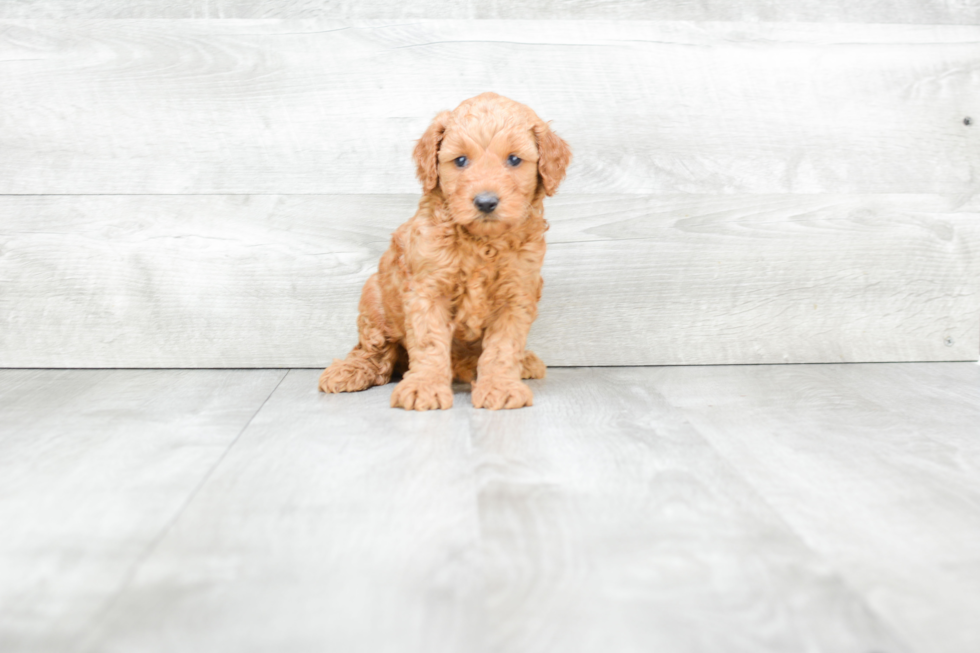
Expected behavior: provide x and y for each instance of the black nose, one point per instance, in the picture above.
(486, 202)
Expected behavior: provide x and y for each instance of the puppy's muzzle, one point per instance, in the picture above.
(486, 202)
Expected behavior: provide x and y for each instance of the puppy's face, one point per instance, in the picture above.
(489, 176)
(490, 157)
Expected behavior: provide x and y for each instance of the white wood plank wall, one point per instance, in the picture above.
(965, 12)
(180, 193)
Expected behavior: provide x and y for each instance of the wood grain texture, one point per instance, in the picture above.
(273, 281)
(876, 467)
(321, 106)
(609, 523)
(780, 508)
(337, 523)
(907, 11)
(330, 526)
(94, 466)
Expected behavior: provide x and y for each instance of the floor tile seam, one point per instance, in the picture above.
(86, 638)
(483, 568)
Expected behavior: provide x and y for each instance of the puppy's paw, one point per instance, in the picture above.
(422, 393)
(349, 376)
(533, 367)
(501, 393)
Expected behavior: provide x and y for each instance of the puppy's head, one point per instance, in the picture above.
(491, 158)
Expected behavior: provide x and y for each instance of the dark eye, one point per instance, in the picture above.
(461, 161)
(513, 160)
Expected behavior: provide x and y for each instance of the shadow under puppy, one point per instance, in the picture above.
(457, 290)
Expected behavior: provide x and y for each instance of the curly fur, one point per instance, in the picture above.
(457, 290)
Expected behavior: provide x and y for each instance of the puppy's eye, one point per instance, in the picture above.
(461, 161)
(513, 160)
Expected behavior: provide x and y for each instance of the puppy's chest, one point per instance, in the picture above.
(475, 295)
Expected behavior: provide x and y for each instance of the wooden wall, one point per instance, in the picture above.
(928, 12)
(213, 192)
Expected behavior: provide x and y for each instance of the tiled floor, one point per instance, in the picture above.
(744, 508)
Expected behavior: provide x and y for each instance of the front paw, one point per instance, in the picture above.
(422, 393)
(501, 393)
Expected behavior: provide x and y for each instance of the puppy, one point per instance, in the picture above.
(457, 290)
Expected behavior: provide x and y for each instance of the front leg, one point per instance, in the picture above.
(428, 338)
(498, 374)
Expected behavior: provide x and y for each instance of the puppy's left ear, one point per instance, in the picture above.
(427, 152)
(554, 155)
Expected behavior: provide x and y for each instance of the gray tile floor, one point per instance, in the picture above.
(744, 508)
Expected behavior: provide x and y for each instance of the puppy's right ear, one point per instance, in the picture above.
(427, 152)
(555, 155)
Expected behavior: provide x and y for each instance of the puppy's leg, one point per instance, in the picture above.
(502, 364)
(428, 339)
(465, 360)
(371, 362)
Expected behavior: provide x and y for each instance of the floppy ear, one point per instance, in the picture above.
(554, 155)
(427, 152)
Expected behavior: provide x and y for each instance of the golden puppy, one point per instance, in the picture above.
(457, 290)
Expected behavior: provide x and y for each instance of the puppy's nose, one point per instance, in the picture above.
(486, 202)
